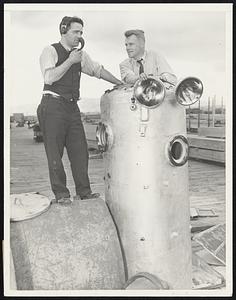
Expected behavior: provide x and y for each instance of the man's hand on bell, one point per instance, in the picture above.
(143, 76)
(75, 56)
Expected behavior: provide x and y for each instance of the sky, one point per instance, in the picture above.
(194, 39)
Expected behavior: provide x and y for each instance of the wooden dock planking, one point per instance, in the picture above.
(212, 131)
(206, 148)
(29, 173)
(207, 154)
(206, 143)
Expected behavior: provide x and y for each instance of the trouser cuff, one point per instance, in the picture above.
(59, 196)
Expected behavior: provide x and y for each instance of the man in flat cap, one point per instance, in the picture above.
(143, 63)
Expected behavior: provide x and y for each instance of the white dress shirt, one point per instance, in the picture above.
(154, 64)
(49, 58)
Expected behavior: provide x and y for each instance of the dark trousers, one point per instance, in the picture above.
(61, 126)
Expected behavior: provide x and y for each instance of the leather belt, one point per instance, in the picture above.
(60, 97)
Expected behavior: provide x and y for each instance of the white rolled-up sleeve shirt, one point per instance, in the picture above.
(154, 65)
(49, 58)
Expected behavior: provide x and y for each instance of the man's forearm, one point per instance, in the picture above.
(131, 78)
(56, 73)
(106, 75)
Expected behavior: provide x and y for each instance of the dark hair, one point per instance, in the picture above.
(66, 22)
(139, 33)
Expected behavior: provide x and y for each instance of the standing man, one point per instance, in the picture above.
(142, 63)
(59, 114)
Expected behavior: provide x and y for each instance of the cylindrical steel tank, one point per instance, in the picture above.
(146, 183)
(68, 248)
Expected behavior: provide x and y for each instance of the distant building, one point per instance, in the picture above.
(93, 118)
(19, 117)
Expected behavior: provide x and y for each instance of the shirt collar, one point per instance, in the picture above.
(143, 57)
(68, 49)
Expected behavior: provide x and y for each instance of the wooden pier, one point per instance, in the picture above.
(29, 173)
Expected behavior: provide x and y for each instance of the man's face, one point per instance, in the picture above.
(73, 34)
(134, 46)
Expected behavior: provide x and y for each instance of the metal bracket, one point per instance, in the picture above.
(144, 114)
(142, 129)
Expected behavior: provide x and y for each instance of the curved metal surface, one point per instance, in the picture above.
(178, 150)
(104, 136)
(144, 280)
(71, 247)
(27, 205)
(149, 92)
(147, 196)
(188, 91)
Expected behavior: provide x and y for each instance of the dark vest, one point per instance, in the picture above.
(68, 85)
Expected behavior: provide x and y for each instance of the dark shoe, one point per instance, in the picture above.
(65, 200)
(90, 196)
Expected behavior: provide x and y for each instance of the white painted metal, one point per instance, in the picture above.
(27, 205)
(146, 194)
(73, 247)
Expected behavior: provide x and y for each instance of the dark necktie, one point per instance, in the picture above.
(141, 69)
